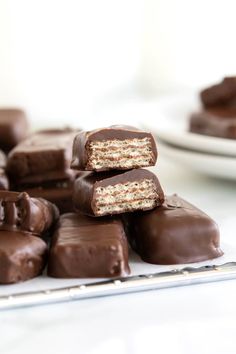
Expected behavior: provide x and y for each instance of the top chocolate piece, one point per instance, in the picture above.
(113, 148)
(13, 128)
(220, 95)
(43, 156)
(19, 212)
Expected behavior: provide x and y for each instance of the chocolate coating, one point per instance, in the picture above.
(82, 150)
(84, 247)
(86, 185)
(21, 257)
(222, 94)
(174, 233)
(13, 128)
(19, 212)
(214, 122)
(41, 166)
(43, 156)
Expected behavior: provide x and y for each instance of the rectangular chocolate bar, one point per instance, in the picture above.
(43, 156)
(174, 233)
(19, 212)
(222, 94)
(113, 148)
(40, 165)
(214, 122)
(13, 127)
(84, 247)
(21, 257)
(105, 193)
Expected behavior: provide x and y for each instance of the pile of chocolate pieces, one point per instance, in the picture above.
(80, 197)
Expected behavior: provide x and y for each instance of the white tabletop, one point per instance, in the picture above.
(196, 319)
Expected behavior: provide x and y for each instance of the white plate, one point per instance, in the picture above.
(171, 125)
(213, 165)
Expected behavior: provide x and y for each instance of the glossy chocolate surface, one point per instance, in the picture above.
(84, 247)
(84, 187)
(174, 233)
(214, 122)
(43, 156)
(13, 128)
(19, 212)
(22, 257)
(119, 132)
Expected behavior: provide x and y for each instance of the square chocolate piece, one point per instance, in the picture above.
(84, 247)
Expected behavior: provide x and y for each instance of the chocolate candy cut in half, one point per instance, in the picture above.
(109, 193)
(113, 148)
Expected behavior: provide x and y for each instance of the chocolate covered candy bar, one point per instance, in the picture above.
(19, 212)
(214, 122)
(116, 147)
(40, 165)
(84, 247)
(176, 232)
(105, 193)
(222, 94)
(43, 156)
(21, 257)
(13, 128)
(4, 183)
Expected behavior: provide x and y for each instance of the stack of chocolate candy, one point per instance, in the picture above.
(111, 181)
(114, 197)
(218, 117)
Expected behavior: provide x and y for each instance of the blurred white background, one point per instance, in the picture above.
(75, 61)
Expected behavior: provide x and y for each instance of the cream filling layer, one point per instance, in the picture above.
(126, 196)
(125, 153)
